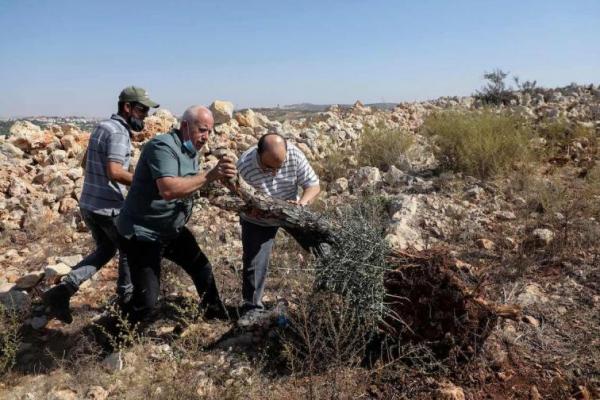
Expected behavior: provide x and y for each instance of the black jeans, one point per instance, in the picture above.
(144, 261)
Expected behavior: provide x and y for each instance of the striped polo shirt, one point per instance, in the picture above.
(295, 173)
(109, 142)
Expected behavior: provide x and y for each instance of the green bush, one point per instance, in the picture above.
(383, 147)
(10, 338)
(481, 144)
(496, 91)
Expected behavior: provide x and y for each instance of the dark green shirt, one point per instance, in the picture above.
(146, 215)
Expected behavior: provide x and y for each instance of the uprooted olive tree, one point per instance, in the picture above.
(414, 297)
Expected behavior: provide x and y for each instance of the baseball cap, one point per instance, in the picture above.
(138, 95)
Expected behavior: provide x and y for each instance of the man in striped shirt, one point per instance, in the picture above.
(106, 175)
(276, 168)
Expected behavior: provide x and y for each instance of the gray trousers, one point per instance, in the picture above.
(105, 235)
(257, 243)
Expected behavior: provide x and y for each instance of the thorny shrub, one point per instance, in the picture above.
(332, 325)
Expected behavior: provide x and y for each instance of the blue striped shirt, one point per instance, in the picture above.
(109, 142)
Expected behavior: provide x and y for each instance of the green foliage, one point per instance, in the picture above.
(355, 266)
(495, 91)
(529, 87)
(10, 338)
(481, 144)
(333, 324)
(383, 147)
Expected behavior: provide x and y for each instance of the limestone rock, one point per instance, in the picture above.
(10, 150)
(485, 244)
(534, 393)
(27, 136)
(542, 236)
(60, 186)
(97, 393)
(339, 186)
(75, 173)
(17, 188)
(449, 391)
(70, 261)
(366, 178)
(394, 176)
(67, 205)
(62, 394)
(58, 156)
(160, 122)
(247, 118)
(222, 111)
(24, 129)
(402, 232)
(56, 270)
(69, 143)
(505, 215)
(532, 294)
(16, 301)
(30, 280)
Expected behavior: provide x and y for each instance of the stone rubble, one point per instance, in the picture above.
(41, 176)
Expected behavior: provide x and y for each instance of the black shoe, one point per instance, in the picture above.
(56, 300)
(216, 311)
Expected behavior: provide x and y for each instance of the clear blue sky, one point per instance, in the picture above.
(60, 57)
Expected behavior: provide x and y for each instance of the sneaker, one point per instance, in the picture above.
(253, 317)
(56, 300)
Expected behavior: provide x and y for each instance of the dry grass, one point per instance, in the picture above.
(481, 144)
(335, 164)
(383, 147)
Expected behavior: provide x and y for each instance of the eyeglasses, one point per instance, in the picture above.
(143, 109)
(268, 168)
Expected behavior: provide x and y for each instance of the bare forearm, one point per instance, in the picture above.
(309, 194)
(178, 187)
(117, 173)
(124, 177)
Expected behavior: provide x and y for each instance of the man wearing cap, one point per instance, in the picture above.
(159, 204)
(106, 175)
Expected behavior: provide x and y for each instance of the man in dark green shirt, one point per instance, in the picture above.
(152, 222)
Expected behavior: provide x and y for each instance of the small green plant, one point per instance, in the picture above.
(481, 144)
(495, 91)
(10, 338)
(383, 147)
(529, 87)
(122, 333)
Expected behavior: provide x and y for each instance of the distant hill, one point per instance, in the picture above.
(309, 107)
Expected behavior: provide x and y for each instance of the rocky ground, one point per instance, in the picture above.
(546, 261)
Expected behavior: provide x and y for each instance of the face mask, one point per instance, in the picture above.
(188, 143)
(136, 124)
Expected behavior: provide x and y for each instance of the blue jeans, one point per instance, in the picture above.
(105, 235)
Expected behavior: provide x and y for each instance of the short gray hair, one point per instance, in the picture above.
(190, 115)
